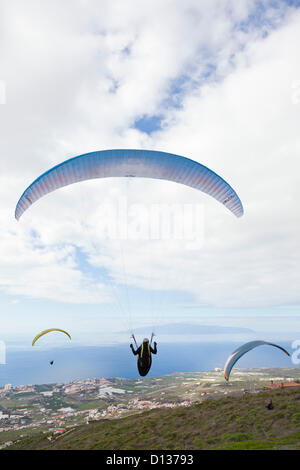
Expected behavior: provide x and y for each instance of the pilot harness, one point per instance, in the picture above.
(142, 350)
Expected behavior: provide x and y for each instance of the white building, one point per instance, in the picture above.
(47, 394)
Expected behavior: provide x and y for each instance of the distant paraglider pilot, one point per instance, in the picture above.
(51, 363)
(144, 356)
(270, 405)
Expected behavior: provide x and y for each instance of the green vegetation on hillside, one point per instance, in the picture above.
(231, 422)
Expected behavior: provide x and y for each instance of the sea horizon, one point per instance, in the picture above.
(79, 363)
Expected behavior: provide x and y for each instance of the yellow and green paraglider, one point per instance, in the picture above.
(48, 331)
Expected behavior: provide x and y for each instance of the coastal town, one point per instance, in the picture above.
(57, 408)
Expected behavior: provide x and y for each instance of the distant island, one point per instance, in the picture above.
(193, 329)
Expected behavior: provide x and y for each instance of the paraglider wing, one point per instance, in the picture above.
(235, 356)
(132, 163)
(48, 331)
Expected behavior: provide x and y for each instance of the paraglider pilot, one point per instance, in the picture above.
(144, 356)
(270, 405)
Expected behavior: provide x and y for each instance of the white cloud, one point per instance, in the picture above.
(79, 74)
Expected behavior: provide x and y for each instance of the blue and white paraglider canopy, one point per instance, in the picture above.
(131, 163)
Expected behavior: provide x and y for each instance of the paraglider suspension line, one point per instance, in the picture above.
(152, 336)
(133, 337)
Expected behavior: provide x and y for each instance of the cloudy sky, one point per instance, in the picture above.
(217, 81)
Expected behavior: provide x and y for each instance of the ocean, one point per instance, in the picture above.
(32, 366)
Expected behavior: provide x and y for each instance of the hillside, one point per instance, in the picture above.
(232, 422)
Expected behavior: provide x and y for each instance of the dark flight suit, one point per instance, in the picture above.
(144, 357)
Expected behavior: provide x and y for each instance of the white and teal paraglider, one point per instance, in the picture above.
(126, 163)
(131, 163)
(239, 352)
